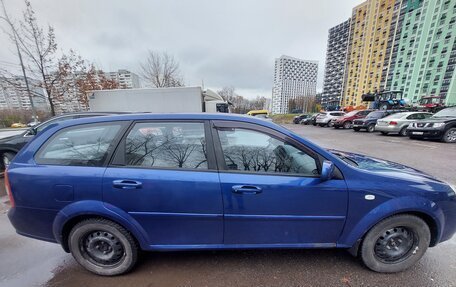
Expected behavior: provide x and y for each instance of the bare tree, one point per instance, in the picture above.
(240, 104)
(161, 70)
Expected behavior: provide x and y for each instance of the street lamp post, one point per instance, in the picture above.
(21, 61)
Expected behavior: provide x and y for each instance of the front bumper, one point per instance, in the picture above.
(359, 125)
(425, 133)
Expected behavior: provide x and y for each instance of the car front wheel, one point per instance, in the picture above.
(7, 157)
(103, 247)
(347, 125)
(395, 243)
(450, 136)
(370, 128)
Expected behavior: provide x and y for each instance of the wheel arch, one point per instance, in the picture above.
(74, 213)
(420, 207)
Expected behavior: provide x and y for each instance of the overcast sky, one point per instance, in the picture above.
(224, 43)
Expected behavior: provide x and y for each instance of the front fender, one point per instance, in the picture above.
(98, 208)
(394, 206)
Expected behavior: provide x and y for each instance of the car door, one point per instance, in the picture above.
(164, 176)
(272, 192)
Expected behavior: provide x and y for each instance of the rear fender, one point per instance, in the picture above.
(98, 208)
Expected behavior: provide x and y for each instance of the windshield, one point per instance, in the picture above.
(375, 115)
(449, 112)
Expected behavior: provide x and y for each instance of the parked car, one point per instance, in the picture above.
(441, 125)
(107, 187)
(18, 125)
(33, 123)
(313, 119)
(368, 123)
(346, 121)
(299, 118)
(309, 120)
(398, 123)
(324, 118)
(263, 117)
(9, 146)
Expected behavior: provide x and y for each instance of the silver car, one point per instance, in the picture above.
(324, 118)
(398, 123)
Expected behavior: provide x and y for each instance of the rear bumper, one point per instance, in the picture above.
(32, 222)
(425, 133)
(388, 129)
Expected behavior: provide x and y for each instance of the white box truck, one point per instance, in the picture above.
(157, 100)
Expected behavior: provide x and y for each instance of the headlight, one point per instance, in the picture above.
(438, 125)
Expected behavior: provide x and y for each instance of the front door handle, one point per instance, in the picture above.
(246, 189)
(126, 184)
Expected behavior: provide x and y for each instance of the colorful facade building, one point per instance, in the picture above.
(426, 57)
(370, 32)
(401, 45)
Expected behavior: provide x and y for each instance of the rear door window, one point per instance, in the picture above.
(86, 145)
(167, 145)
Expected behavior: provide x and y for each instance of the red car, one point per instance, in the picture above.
(347, 121)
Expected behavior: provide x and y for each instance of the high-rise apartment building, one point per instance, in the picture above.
(125, 78)
(426, 56)
(336, 54)
(293, 78)
(369, 34)
(14, 95)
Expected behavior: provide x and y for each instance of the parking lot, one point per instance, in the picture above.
(29, 262)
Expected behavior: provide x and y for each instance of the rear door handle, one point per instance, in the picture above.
(126, 184)
(246, 189)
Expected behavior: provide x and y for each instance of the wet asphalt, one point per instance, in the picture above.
(29, 262)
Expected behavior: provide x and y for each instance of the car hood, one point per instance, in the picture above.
(437, 120)
(380, 165)
(9, 138)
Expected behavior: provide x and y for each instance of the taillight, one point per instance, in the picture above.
(8, 188)
(392, 123)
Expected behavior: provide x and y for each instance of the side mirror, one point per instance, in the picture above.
(31, 132)
(327, 170)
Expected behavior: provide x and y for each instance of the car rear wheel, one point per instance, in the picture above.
(395, 243)
(347, 125)
(370, 128)
(103, 247)
(450, 136)
(403, 132)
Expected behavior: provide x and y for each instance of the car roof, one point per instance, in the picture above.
(168, 116)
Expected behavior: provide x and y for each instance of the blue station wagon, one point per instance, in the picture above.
(109, 187)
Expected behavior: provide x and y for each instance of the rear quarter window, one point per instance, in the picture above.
(80, 145)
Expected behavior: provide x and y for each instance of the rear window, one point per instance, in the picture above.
(86, 145)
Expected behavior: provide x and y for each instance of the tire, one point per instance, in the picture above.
(85, 240)
(7, 157)
(356, 129)
(347, 124)
(395, 244)
(384, 133)
(370, 128)
(403, 132)
(449, 136)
